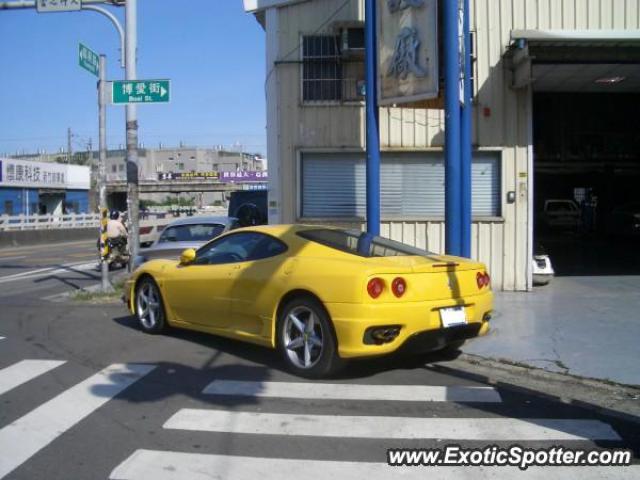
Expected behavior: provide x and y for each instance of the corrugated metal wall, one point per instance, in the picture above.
(502, 116)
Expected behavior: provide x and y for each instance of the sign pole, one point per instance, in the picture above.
(452, 175)
(102, 166)
(465, 140)
(131, 118)
(373, 137)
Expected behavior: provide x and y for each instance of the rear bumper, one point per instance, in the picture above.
(419, 323)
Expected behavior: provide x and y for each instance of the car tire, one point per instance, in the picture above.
(149, 307)
(306, 339)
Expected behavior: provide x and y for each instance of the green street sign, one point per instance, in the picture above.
(140, 91)
(88, 59)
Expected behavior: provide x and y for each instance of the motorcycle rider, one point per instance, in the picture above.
(116, 231)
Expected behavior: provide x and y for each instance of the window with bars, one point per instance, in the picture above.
(321, 68)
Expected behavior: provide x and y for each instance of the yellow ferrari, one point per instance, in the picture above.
(319, 295)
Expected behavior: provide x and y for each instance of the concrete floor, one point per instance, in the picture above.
(585, 326)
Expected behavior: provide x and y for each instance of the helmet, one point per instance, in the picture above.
(114, 215)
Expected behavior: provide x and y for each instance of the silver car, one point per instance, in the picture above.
(189, 232)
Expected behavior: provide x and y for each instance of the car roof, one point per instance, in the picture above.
(202, 219)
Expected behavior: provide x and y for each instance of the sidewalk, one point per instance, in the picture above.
(584, 326)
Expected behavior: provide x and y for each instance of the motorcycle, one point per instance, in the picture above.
(117, 253)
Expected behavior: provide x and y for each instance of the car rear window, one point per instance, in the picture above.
(199, 232)
(359, 243)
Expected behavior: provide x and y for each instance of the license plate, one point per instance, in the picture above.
(453, 316)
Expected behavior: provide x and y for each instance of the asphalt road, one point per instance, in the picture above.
(85, 395)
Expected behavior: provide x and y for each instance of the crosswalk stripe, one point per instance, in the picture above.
(390, 427)
(32, 432)
(23, 371)
(337, 391)
(164, 465)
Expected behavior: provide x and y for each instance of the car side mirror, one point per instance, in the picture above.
(188, 256)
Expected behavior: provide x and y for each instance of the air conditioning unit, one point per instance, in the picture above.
(352, 40)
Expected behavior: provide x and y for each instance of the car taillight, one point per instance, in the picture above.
(398, 286)
(145, 230)
(483, 279)
(375, 287)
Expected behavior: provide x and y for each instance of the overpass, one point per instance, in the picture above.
(176, 186)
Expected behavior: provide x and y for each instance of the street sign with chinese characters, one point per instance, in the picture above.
(407, 51)
(140, 91)
(46, 6)
(88, 59)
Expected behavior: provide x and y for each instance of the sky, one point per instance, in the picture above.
(213, 52)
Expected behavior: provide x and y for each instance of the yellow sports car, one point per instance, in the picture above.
(319, 295)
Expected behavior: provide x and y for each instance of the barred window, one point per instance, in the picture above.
(321, 68)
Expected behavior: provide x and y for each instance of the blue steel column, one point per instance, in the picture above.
(373, 138)
(452, 177)
(465, 142)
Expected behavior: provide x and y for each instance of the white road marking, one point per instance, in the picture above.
(343, 426)
(26, 436)
(2, 338)
(340, 391)
(23, 371)
(43, 272)
(164, 465)
(6, 259)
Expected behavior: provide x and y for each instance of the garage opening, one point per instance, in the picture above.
(586, 138)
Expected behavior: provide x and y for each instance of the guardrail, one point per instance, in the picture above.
(49, 222)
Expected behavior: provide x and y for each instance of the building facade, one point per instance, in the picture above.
(527, 53)
(32, 188)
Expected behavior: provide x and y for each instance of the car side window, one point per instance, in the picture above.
(239, 247)
(169, 235)
(267, 247)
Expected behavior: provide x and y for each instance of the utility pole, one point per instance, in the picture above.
(131, 46)
(102, 164)
(69, 145)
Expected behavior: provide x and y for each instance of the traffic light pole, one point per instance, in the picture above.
(131, 45)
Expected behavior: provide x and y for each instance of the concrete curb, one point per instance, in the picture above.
(601, 396)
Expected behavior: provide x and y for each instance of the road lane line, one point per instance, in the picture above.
(166, 465)
(6, 259)
(33, 274)
(344, 426)
(23, 371)
(338, 391)
(29, 434)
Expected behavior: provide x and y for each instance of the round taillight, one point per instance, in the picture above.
(483, 279)
(375, 287)
(398, 286)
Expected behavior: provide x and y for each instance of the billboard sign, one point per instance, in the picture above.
(24, 173)
(407, 34)
(188, 175)
(234, 177)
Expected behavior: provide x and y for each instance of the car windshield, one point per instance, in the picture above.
(197, 232)
(361, 243)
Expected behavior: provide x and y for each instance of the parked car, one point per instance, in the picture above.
(624, 220)
(561, 214)
(319, 295)
(542, 269)
(189, 232)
